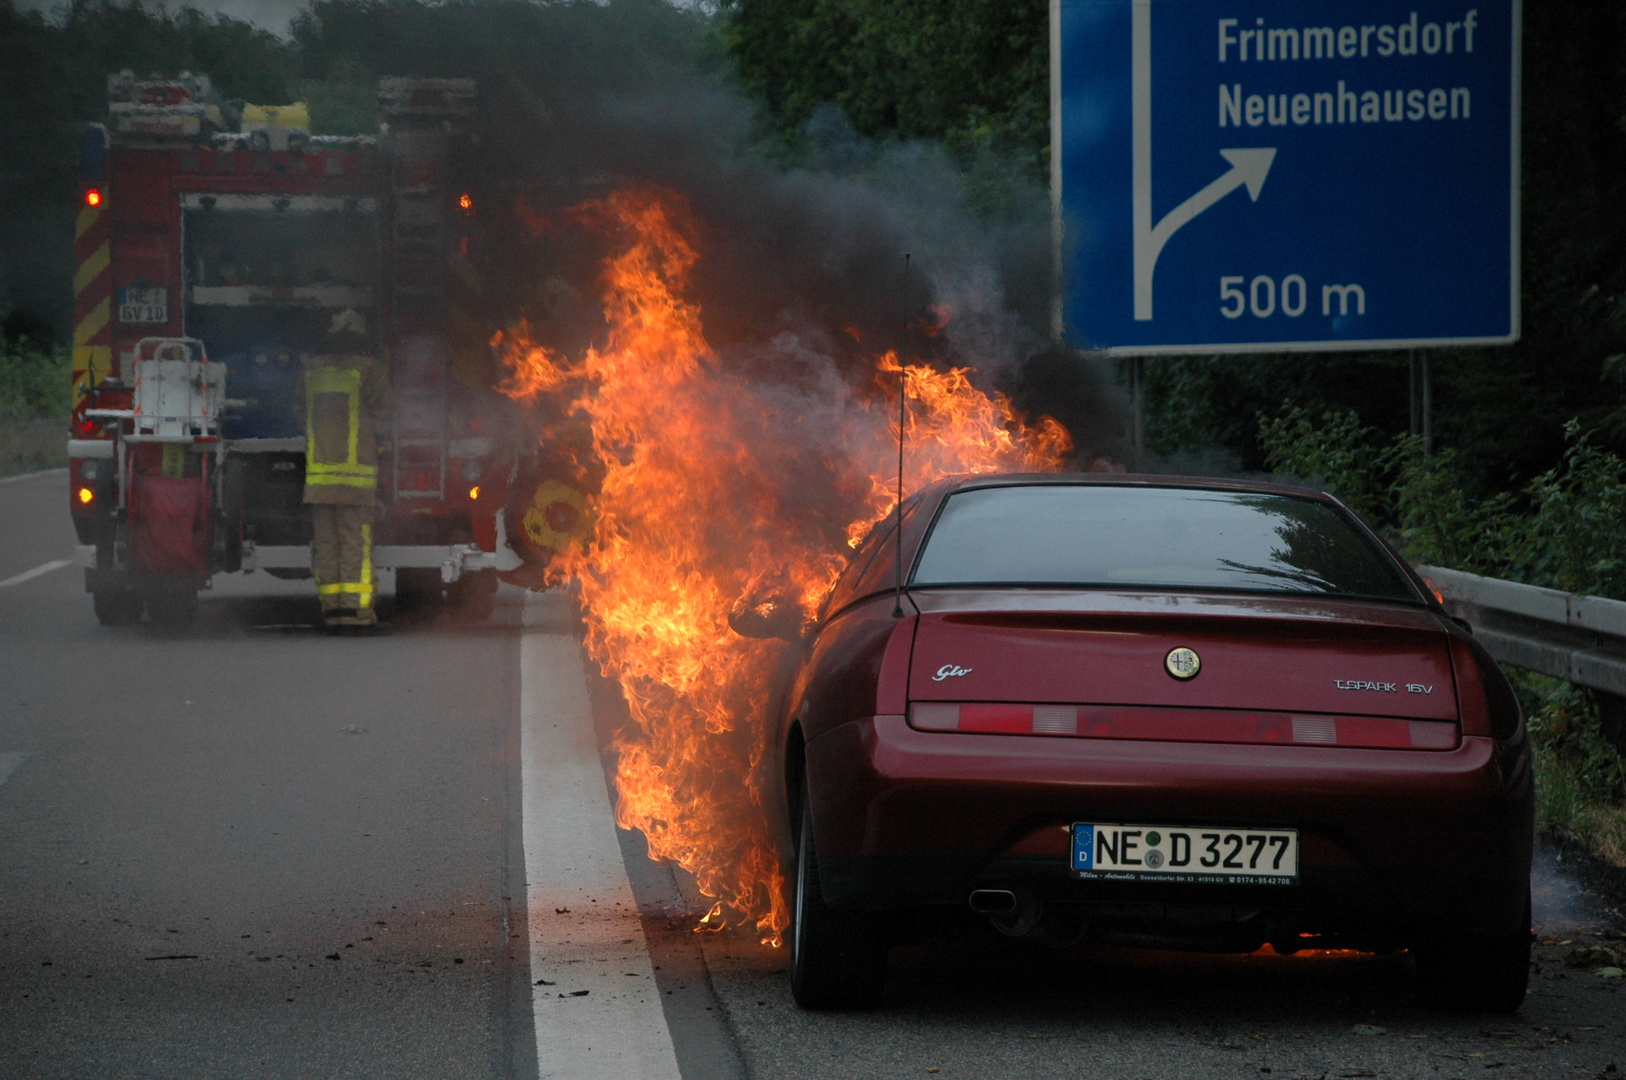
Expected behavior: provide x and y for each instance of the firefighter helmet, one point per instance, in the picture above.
(348, 321)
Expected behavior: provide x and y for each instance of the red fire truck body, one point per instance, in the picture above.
(211, 256)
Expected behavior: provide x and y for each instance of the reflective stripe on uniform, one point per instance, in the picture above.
(344, 467)
(367, 564)
(352, 475)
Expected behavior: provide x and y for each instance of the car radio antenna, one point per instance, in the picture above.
(903, 413)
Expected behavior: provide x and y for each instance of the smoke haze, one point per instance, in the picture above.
(801, 253)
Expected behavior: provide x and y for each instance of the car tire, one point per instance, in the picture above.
(117, 607)
(473, 598)
(837, 957)
(1475, 972)
(419, 592)
(173, 608)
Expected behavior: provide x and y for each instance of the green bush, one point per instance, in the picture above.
(1565, 529)
(33, 383)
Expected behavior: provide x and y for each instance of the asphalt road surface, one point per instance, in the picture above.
(252, 850)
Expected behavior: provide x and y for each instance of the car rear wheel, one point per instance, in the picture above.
(1475, 972)
(473, 598)
(838, 958)
(117, 607)
(418, 592)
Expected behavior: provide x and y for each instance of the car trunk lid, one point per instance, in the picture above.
(1314, 657)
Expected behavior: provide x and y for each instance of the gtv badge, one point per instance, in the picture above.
(1183, 663)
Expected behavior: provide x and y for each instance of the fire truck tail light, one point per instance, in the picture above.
(474, 492)
(93, 197)
(86, 495)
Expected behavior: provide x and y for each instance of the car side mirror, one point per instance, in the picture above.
(776, 616)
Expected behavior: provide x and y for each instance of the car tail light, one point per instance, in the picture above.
(1184, 725)
(1486, 702)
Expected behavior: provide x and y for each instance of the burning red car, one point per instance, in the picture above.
(1176, 713)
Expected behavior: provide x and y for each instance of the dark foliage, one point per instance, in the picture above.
(972, 74)
(625, 44)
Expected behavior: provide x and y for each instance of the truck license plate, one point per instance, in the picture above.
(1103, 852)
(143, 305)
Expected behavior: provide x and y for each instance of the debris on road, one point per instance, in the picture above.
(1589, 956)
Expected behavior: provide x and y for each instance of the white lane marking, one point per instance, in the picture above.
(9, 763)
(584, 926)
(38, 571)
(41, 475)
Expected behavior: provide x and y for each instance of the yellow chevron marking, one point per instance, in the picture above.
(92, 268)
(88, 216)
(93, 323)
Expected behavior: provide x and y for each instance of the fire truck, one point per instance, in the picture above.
(214, 244)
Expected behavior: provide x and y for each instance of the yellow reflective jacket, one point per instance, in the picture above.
(341, 397)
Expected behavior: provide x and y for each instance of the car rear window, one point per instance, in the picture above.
(1156, 538)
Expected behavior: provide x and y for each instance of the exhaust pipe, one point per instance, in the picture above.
(992, 901)
(1016, 912)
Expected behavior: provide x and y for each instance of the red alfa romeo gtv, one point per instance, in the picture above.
(1175, 713)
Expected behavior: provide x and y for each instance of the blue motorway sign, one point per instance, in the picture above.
(1287, 175)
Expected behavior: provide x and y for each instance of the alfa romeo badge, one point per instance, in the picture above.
(1183, 663)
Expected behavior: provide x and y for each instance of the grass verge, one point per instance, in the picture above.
(31, 445)
(1580, 774)
(34, 395)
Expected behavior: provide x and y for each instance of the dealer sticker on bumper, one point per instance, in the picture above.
(1200, 854)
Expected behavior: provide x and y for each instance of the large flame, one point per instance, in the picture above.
(719, 487)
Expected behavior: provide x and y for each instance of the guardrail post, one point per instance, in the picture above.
(1612, 718)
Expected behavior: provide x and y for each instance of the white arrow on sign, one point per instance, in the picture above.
(1248, 168)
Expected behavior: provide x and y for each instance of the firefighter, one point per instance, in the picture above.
(344, 392)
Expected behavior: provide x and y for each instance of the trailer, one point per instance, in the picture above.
(214, 244)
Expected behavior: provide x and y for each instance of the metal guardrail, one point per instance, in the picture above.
(1579, 638)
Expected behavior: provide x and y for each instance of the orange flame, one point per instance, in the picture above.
(715, 489)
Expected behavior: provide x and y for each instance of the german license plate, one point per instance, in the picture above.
(1103, 852)
(143, 305)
